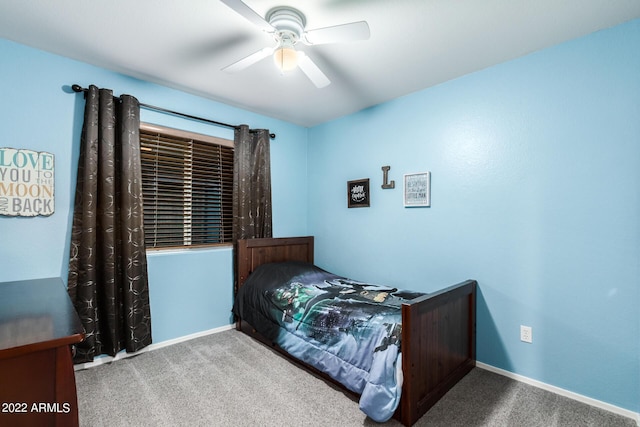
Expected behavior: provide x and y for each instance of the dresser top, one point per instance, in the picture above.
(36, 313)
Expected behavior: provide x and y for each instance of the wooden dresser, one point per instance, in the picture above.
(38, 325)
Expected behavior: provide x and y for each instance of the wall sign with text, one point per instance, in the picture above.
(417, 189)
(358, 193)
(26, 182)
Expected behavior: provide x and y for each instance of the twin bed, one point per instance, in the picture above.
(417, 346)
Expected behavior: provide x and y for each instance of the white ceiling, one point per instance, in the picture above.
(414, 44)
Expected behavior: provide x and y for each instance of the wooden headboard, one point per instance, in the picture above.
(254, 252)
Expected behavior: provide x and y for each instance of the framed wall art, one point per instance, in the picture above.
(26, 182)
(358, 193)
(417, 189)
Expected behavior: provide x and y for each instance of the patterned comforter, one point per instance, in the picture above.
(347, 329)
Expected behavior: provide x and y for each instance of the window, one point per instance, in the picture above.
(187, 185)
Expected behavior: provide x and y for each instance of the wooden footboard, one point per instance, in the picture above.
(438, 330)
(438, 347)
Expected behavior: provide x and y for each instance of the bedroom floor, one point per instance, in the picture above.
(228, 379)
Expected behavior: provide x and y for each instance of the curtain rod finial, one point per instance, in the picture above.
(77, 88)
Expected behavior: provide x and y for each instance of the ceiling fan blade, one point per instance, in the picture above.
(249, 60)
(250, 14)
(312, 71)
(353, 31)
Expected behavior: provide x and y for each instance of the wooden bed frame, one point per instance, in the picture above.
(438, 330)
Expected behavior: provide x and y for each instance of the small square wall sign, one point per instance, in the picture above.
(417, 189)
(26, 182)
(358, 193)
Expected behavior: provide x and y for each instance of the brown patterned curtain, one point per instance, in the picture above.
(251, 184)
(108, 264)
(251, 187)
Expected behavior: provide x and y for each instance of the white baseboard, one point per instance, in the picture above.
(571, 395)
(101, 360)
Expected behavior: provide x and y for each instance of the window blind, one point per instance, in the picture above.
(187, 182)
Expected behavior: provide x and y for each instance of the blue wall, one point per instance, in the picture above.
(535, 170)
(190, 291)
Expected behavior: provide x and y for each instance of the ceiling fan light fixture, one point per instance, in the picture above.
(285, 56)
(288, 27)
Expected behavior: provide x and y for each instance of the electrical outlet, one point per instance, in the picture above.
(526, 334)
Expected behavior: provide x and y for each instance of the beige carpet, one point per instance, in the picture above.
(228, 379)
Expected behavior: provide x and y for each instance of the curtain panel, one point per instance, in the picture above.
(251, 184)
(251, 188)
(108, 267)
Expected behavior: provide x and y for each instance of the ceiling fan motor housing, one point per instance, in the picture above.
(288, 22)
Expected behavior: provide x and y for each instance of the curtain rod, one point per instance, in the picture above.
(78, 89)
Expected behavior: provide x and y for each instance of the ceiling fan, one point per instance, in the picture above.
(288, 28)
